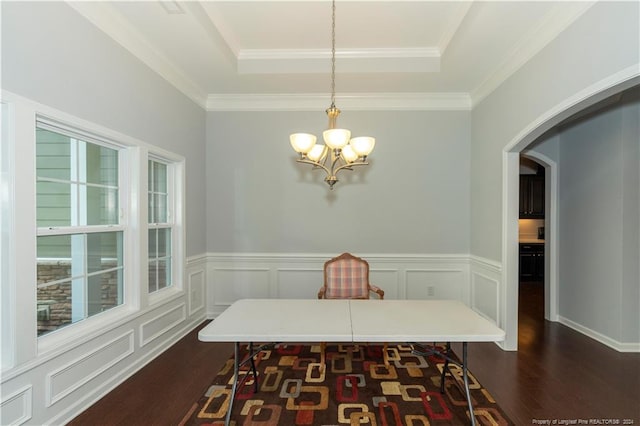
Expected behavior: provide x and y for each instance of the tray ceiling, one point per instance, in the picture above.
(389, 54)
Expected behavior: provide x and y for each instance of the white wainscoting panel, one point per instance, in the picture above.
(162, 322)
(435, 284)
(240, 283)
(486, 276)
(62, 381)
(233, 276)
(388, 280)
(196, 282)
(298, 283)
(15, 409)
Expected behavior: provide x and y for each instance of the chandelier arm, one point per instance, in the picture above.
(315, 164)
(349, 167)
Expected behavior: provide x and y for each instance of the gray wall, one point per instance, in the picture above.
(599, 223)
(601, 43)
(413, 198)
(52, 55)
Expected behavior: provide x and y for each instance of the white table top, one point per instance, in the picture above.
(419, 321)
(281, 320)
(312, 320)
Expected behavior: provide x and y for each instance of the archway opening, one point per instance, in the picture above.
(580, 104)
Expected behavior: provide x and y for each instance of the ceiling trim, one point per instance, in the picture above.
(107, 19)
(311, 61)
(349, 101)
(550, 27)
(453, 25)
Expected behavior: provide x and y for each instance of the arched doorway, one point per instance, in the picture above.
(511, 162)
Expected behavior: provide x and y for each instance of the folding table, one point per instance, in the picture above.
(354, 321)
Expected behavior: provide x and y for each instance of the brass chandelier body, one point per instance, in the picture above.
(341, 151)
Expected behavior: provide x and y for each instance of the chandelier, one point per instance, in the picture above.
(341, 151)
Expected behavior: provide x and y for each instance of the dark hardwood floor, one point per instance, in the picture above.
(557, 374)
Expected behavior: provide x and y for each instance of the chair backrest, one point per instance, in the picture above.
(346, 277)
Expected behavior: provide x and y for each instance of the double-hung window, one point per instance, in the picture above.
(160, 225)
(80, 259)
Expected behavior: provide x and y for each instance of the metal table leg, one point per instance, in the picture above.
(237, 363)
(465, 376)
(236, 371)
(448, 359)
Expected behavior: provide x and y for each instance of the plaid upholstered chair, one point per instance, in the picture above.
(347, 277)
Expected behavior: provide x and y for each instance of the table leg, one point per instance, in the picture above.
(236, 373)
(465, 377)
(447, 353)
(448, 359)
(253, 368)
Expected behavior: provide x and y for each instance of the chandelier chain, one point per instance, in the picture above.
(333, 54)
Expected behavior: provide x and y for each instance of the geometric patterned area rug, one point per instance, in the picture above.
(354, 388)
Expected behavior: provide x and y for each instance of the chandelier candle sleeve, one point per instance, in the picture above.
(345, 152)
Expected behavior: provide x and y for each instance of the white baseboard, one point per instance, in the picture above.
(605, 340)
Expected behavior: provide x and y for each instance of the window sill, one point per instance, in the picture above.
(75, 334)
(165, 295)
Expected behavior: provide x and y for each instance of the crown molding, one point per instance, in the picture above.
(556, 21)
(361, 102)
(289, 61)
(452, 26)
(107, 19)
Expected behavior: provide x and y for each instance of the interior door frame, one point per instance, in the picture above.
(551, 233)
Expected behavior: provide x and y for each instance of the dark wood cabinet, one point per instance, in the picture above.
(531, 197)
(531, 266)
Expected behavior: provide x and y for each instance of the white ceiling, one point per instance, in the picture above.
(263, 54)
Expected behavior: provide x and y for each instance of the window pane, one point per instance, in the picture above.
(104, 251)
(53, 204)
(164, 242)
(103, 292)
(159, 177)
(53, 155)
(101, 164)
(157, 208)
(54, 258)
(54, 307)
(164, 274)
(153, 251)
(160, 208)
(102, 206)
(150, 208)
(153, 276)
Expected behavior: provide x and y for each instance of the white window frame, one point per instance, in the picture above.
(175, 211)
(48, 340)
(170, 205)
